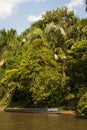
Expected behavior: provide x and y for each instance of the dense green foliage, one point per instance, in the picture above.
(47, 63)
(82, 106)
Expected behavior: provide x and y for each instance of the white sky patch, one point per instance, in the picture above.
(75, 3)
(7, 7)
(33, 18)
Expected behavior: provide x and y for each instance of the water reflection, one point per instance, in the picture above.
(33, 121)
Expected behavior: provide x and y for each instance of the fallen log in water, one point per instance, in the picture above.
(33, 110)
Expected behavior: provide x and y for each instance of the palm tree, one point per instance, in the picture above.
(12, 39)
(86, 4)
(2, 38)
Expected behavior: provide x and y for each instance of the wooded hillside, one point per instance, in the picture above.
(47, 64)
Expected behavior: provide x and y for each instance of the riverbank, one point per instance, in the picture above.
(69, 112)
(2, 108)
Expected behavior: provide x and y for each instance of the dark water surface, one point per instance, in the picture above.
(38, 121)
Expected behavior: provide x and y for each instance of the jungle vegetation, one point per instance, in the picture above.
(45, 66)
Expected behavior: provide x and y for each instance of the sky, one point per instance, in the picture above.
(20, 14)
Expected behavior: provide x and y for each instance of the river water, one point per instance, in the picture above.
(38, 121)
